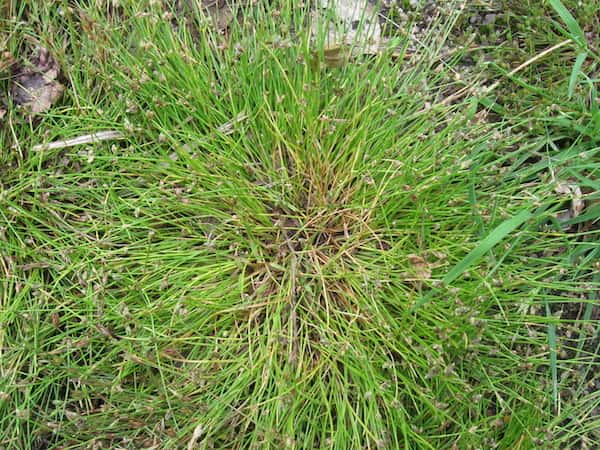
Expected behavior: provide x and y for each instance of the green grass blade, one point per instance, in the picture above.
(553, 361)
(587, 315)
(575, 72)
(569, 20)
(499, 233)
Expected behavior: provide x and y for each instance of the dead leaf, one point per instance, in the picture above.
(441, 256)
(332, 57)
(420, 268)
(36, 87)
(577, 203)
(198, 432)
(6, 61)
(220, 13)
(105, 331)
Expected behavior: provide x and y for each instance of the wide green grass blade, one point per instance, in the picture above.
(569, 20)
(575, 73)
(499, 233)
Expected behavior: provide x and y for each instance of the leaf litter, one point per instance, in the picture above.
(577, 204)
(35, 85)
(220, 13)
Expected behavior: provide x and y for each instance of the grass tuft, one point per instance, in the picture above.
(284, 254)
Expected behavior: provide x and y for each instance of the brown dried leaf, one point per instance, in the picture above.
(333, 56)
(35, 87)
(55, 320)
(105, 331)
(421, 268)
(6, 61)
(220, 13)
(577, 203)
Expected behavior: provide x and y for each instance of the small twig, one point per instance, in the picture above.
(468, 89)
(227, 127)
(100, 136)
(529, 62)
(458, 94)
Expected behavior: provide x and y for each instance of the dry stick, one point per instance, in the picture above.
(86, 139)
(530, 61)
(463, 91)
(113, 135)
(227, 127)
